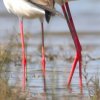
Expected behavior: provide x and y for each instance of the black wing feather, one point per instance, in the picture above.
(48, 15)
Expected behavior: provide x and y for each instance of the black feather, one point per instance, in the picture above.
(47, 15)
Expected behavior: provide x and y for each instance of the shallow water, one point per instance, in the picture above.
(61, 49)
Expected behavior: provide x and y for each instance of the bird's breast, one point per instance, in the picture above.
(24, 9)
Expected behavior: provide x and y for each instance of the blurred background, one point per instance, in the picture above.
(86, 15)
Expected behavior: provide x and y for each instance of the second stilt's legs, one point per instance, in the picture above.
(77, 58)
(77, 42)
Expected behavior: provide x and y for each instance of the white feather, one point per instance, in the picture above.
(23, 8)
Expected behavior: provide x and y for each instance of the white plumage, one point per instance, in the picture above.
(23, 8)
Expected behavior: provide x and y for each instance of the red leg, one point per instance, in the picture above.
(73, 27)
(68, 17)
(79, 48)
(43, 57)
(23, 55)
(72, 70)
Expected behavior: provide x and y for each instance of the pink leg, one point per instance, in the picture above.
(68, 17)
(79, 48)
(43, 57)
(72, 70)
(23, 55)
(73, 27)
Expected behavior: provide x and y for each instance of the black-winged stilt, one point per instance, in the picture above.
(31, 9)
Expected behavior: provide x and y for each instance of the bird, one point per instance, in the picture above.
(78, 57)
(31, 9)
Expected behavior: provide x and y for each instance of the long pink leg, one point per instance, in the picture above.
(79, 48)
(23, 55)
(77, 58)
(43, 57)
